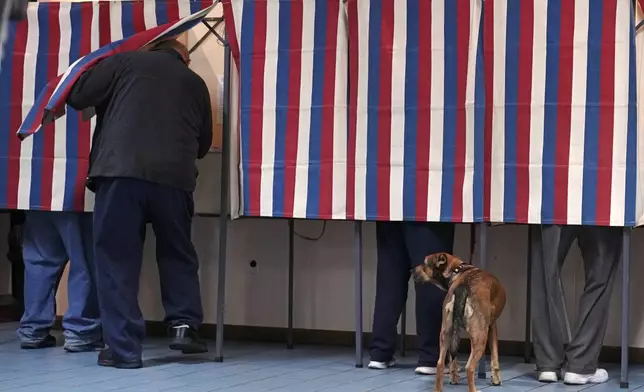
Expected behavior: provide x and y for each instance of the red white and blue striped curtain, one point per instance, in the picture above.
(416, 110)
(292, 61)
(47, 170)
(458, 110)
(300, 154)
(561, 112)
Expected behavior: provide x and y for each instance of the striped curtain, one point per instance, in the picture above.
(47, 171)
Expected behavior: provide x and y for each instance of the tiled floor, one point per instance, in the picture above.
(247, 368)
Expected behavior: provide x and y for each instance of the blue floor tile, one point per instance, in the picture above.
(251, 367)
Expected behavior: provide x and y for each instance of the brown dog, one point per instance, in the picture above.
(474, 301)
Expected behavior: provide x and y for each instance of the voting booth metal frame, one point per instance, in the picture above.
(478, 237)
(225, 174)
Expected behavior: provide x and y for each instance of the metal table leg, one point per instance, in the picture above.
(482, 242)
(291, 264)
(358, 294)
(626, 267)
(223, 210)
(527, 349)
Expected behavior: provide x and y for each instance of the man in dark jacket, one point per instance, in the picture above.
(153, 122)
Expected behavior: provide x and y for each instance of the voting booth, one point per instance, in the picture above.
(462, 111)
(497, 111)
(47, 171)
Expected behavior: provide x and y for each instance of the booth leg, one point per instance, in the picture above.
(403, 332)
(291, 263)
(626, 267)
(223, 210)
(482, 242)
(527, 349)
(221, 285)
(358, 295)
(472, 242)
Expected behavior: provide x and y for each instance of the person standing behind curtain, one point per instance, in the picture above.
(601, 250)
(402, 246)
(50, 240)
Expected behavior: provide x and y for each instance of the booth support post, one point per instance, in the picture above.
(527, 349)
(223, 207)
(626, 283)
(358, 294)
(482, 242)
(403, 332)
(291, 265)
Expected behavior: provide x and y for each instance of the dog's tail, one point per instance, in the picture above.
(453, 345)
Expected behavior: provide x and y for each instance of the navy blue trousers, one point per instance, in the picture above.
(402, 246)
(122, 209)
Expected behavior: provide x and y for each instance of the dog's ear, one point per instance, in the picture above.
(445, 264)
(441, 260)
(437, 261)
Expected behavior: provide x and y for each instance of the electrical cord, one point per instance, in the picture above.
(312, 238)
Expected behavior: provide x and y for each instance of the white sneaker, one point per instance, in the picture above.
(548, 377)
(425, 371)
(381, 365)
(598, 377)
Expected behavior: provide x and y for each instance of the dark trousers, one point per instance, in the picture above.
(122, 208)
(601, 250)
(401, 246)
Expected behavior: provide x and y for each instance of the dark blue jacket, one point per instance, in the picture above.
(153, 117)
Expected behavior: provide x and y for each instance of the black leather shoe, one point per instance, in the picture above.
(186, 340)
(47, 342)
(106, 358)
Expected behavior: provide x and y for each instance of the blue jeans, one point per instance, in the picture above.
(50, 240)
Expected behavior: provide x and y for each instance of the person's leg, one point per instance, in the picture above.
(551, 244)
(601, 249)
(171, 212)
(392, 280)
(119, 233)
(14, 255)
(44, 257)
(81, 322)
(424, 239)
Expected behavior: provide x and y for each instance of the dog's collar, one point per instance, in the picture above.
(455, 273)
(453, 276)
(444, 283)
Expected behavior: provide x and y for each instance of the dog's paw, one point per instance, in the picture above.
(453, 382)
(495, 383)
